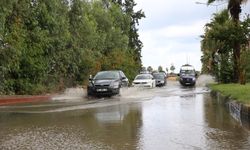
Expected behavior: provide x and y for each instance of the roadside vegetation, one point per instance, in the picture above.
(47, 45)
(225, 45)
(226, 51)
(235, 91)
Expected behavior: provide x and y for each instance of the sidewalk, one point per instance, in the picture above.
(16, 99)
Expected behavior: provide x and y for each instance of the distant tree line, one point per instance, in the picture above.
(225, 45)
(48, 45)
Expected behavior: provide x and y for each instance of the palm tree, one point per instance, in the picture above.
(150, 69)
(217, 48)
(234, 7)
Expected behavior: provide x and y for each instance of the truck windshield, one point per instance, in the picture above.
(187, 72)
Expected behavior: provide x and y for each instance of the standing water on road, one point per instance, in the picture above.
(171, 117)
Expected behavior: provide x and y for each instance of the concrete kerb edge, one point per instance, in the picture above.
(9, 100)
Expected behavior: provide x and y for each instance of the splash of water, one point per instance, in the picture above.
(71, 94)
(204, 80)
(134, 92)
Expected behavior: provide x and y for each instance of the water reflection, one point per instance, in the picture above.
(112, 115)
(185, 119)
(113, 127)
(224, 131)
(172, 123)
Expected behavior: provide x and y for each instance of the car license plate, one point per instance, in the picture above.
(102, 90)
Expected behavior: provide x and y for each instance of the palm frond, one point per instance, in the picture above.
(210, 1)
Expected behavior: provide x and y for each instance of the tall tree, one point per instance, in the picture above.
(160, 69)
(52, 44)
(150, 69)
(218, 43)
(143, 69)
(134, 42)
(234, 7)
(172, 68)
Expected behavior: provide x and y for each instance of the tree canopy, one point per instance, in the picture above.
(234, 8)
(218, 44)
(52, 44)
(172, 68)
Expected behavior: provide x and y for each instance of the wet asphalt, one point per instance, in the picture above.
(169, 117)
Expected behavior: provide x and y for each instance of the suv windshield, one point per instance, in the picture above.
(110, 75)
(187, 72)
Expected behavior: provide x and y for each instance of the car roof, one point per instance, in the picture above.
(110, 71)
(160, 73)
(187, 67)
(146, 74)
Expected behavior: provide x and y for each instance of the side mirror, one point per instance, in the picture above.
(178, 74)
(124, 79)
(90, 77)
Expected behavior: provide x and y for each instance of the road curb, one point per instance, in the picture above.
(9, 100)
(237, 110)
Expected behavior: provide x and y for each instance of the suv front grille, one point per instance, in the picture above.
(105, 85)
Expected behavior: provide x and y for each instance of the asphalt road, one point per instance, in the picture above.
(170, 117)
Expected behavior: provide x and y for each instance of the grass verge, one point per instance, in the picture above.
(237, 92)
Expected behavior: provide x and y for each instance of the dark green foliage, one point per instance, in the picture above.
(220, 37)
(52, 44)
(172, 68)
(160, 69)
(248, 66)
(237, 38)
(150, 69)
(226, 68)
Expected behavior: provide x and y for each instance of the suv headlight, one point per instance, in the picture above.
(114, 85)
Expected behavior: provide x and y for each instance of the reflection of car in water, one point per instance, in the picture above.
(187, 75)
(113, 114)
(160, 79)
(107, 83)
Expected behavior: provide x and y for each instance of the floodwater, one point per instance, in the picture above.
(170, 117)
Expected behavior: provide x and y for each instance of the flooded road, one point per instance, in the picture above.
(171, 117)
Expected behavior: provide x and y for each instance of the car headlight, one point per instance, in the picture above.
(194, 78)
(114, 85)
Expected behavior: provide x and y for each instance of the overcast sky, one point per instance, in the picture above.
(171, 31)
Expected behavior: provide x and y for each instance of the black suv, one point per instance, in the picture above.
(187, 75)
(160, 79)
(107, 83)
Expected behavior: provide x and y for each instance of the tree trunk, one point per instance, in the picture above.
(236, 53)
(243, 76)
(239, 67)
(239, 73)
